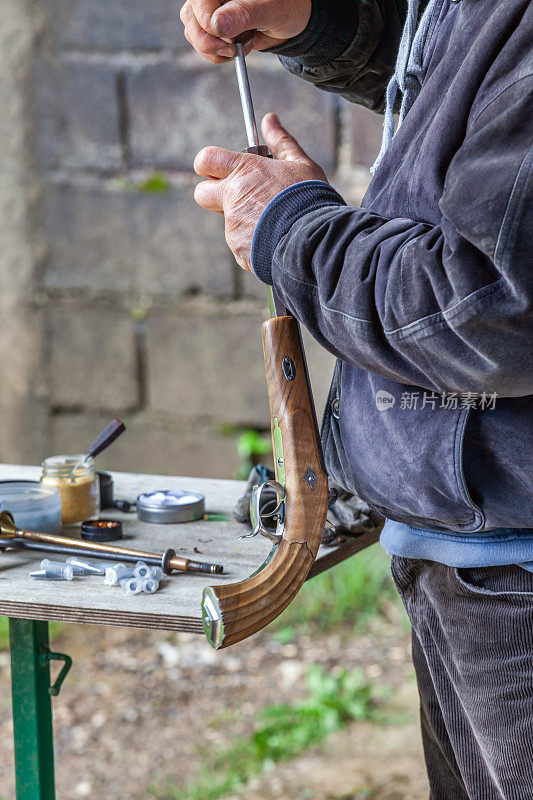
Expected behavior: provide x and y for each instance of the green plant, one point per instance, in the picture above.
(281, 732)
(351, 592)
(251, 445)
(156, 183)
(285, 634)
(4, 633)
(55, 627)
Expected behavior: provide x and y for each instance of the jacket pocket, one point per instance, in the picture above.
(404, 452)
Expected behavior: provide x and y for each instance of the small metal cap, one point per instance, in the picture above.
(101, 530)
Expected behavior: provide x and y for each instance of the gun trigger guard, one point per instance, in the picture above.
(257, 516)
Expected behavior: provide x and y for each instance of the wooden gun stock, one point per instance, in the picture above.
(235, 611)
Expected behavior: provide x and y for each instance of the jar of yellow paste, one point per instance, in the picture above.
(78, 485)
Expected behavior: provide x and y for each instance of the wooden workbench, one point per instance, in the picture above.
(176, 606)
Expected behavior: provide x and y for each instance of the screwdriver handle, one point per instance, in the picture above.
(106, 437)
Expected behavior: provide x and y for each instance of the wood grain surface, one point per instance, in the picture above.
(249, 605)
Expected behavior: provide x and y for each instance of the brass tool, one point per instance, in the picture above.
(168, 561)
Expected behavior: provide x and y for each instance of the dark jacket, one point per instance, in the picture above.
(426, 289)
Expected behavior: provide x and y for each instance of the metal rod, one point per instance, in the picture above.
(275, 306)
(65, 550)
(246, 96)
(9, 532)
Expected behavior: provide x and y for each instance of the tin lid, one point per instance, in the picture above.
(170, 505)
(101, 530)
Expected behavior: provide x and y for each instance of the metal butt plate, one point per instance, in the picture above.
(212, 619)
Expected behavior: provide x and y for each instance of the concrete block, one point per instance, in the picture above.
(170, 447)
(176, 110)
(23, 409)
(207, 363)
(117, 25)
(76, 114)
(365, 129)
(92, 359)
(107, 237)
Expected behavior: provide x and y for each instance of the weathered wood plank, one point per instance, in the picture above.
(176, 607)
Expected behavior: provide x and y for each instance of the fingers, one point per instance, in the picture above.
(237, 16)
(210, 47)
(215, 162)
(209, 195)
(283, 146)
(203, 10)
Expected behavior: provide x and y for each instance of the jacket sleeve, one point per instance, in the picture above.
(447, 307)
(349, 47)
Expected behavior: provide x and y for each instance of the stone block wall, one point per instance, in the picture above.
(124, 297)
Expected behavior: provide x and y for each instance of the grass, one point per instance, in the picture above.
(352, 592)
(281, 732)
(4, 633)
(55, 627)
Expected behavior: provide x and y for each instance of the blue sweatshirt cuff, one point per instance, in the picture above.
(281, 213)
(331, 28)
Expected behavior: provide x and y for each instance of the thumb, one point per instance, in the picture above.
(283, 146)
(237, 16)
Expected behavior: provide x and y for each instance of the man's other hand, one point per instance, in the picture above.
(210, 25)
(241, 185)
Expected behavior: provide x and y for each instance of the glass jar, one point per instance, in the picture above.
(78, 486)
(34, 507)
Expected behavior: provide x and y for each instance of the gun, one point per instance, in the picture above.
(235, 611)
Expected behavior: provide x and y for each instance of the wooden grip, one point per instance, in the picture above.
(248, 606)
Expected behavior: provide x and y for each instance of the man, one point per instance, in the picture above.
(425, 296)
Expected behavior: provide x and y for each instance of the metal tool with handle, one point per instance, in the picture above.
(169, 562)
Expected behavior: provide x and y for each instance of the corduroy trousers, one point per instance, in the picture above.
(473, 655)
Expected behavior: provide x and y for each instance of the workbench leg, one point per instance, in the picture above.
(32, 710)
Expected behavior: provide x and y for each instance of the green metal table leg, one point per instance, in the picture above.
(32, 710)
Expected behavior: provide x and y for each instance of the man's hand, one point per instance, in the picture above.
(241, 185)
(210, 25)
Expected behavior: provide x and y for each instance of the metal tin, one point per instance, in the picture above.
(170, 505)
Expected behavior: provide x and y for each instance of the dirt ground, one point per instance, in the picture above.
(138, 707)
